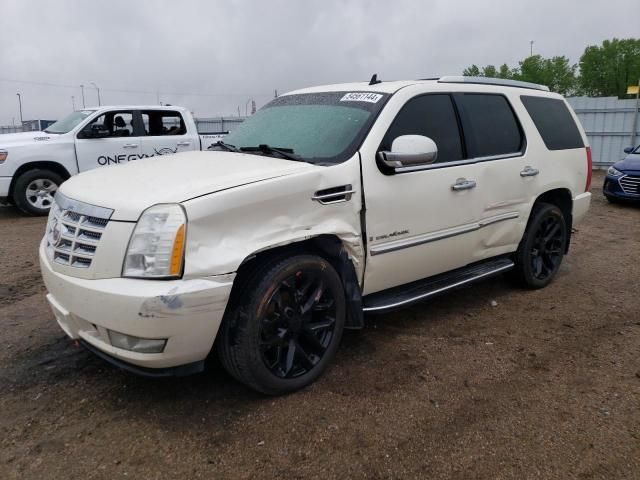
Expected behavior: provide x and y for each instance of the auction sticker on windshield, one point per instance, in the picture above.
(361, 97)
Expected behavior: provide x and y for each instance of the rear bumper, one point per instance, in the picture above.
(187, 313)
(612, 188)
(581, 205)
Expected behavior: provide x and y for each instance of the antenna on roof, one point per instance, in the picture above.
(374, 79)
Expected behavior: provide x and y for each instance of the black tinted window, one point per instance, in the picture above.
(554, 122)
(490, 126)
(432, 116)
(162, 122)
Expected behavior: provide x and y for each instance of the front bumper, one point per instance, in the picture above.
(612, 188)
(5, 183)
(187, 313)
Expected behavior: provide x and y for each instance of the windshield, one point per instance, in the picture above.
(69, 122)
(318, 127)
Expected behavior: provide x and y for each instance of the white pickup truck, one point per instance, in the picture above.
(34, 164)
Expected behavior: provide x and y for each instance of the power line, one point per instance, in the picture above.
(144, 92)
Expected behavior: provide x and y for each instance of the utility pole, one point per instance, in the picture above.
(82, 89)
(73, 102)
(531, 42)
(97, 90)
(20, 104)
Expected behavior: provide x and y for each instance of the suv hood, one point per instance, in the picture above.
(130, 189)
(630, 163)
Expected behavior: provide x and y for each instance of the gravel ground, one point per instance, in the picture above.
(538, 384)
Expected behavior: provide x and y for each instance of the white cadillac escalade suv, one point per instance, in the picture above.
(329, 203)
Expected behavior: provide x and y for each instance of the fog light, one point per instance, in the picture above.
(137, 344)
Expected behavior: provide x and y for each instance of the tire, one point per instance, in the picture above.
(537, 260)
(267, 342)
(611, 199)
(34, 190)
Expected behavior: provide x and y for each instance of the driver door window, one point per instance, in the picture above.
(109, 139)
(431, 116)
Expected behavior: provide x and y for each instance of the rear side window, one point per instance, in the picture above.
(162, 122)
(490, 126)
(432, 116)
(554, 122)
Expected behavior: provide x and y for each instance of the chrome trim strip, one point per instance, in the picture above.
(439, 290)
(440, 235)
(457, 163)
(66, 203)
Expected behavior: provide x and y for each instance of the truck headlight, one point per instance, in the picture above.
(156, 247)
(614, 172)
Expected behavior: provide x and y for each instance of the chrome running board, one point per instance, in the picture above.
(410, 293)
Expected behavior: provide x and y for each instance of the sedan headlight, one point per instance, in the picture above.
(156, 247)
(614, 172)
(3, 155)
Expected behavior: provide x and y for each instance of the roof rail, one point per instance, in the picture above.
(492, 81)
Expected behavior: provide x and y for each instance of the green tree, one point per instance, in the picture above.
(556, 73)
(472, 71)
(608, 70)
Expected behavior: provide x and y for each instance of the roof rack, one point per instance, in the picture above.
(492, 81)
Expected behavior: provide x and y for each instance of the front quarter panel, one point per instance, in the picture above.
(227, 227)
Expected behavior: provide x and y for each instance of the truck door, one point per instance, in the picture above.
(109, 139)
(419, 222)
(166, 133)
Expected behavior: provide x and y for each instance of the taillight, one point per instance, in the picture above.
(589, 167)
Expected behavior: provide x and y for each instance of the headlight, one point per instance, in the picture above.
(614, 172)
(3, 155)
(156, 247)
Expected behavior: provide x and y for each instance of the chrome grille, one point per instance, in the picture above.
(74, 231)
(630, 184)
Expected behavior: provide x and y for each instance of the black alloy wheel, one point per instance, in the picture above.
(548, 247)
(284, 324)
(298, 325)
(542, 247)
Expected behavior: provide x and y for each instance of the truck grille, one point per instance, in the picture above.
(74, 230)
(630, 184)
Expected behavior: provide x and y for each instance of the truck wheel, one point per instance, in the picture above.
(34, 190)
(286, 327)
(542, 247)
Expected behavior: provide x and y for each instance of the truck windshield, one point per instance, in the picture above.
(317, 127)
(69, 122)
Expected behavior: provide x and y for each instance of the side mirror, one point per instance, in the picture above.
(410, 151)
(95, 130)
(628, 150)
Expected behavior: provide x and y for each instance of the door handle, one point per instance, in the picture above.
(463, 184)
(130, 145)
(183, 144)
(529, 172)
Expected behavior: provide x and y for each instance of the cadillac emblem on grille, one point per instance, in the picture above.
(74, 231)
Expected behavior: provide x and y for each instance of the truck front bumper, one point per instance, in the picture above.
(5, 183)
(187, 313)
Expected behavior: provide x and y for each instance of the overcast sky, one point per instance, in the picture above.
(213, 56)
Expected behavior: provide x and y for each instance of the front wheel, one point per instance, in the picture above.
(286, 327)
(34, 190)
(542, 247)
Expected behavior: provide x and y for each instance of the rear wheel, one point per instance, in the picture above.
(286, 327)
(542, 247)
(34, 190)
